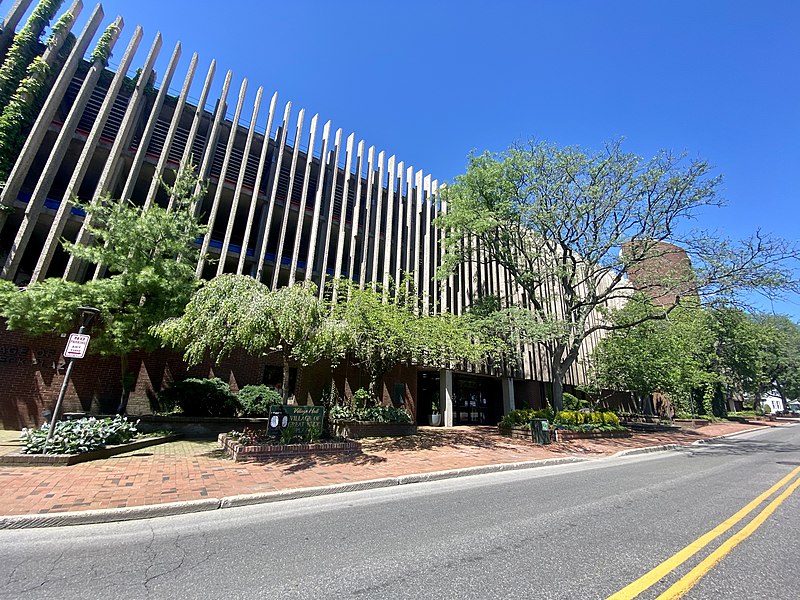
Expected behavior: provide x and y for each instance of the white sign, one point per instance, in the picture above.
(76, 345)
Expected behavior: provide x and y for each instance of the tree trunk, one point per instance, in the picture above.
(285, 390)
(126, 385)
(558, 389)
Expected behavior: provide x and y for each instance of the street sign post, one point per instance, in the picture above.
(76, 345)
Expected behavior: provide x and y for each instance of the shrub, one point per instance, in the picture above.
(593, 421)
(200, 398)
(255, 400)
(81, 435)
(574, 403)
(361, 397)
(766, 408)
(379, 414)
(522, 417)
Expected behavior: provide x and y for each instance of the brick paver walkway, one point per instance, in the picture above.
(193, 470)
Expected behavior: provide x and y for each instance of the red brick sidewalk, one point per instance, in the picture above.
(194, 470)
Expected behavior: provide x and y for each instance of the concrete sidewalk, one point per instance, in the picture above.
(198, 473)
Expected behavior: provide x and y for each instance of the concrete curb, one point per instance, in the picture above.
(647, 450)
(131, 513)
(727, 435)
(107, 515)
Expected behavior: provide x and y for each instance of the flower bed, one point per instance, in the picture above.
(239, 452)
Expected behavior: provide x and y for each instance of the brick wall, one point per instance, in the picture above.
(32, 371)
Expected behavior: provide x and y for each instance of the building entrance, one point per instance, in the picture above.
(477, 400)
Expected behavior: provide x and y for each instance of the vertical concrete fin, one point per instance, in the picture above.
(40, 126)
(369, 231)
(254, 199)
(389, 246)
(312, 134)
(239, 183)
(378, 220)
(340, 240)
(212, 215)
(288, 203)
(210, 146)
(138, 159)
(11, 21)
(312, 245)
(334, 167)
(356, 223)
(262, 253)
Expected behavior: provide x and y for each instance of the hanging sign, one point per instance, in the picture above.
(76, 345)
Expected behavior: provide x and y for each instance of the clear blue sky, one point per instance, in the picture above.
(431, 80)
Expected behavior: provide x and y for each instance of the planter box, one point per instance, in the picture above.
(64, 460)
(518, 432)
(363, 429)
(563, 435)
(689, 423)
(240, 453)
(198, 427)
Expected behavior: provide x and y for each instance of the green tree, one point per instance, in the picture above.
(385, 329)
(233, 312)
(558, 220)
(664, 352)
(146, 284)
(780, 352)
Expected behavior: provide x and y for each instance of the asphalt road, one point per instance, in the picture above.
(584, 530)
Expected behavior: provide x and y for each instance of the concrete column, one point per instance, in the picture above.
(312, 239)
(301, 213)
(150, 126)
(60, 220)
(109, 174)
(251, 212)
(409, 208)
(11, 21)
(39, 129)
(223, 254)
(508, 395)
(36, 203)
(436, 285)
(348, 162)
(211, 142)
(212, 216)
(398, 243)
(187, 151)
(334, 168)
(366, 244)
(173, 129)
(426, 250)
(446, 396)
(376, 241)
(355, 226)
(262, 253)
(390, 239)
(417, 233)
(287, 205)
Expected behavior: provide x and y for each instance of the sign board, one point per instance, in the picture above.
(76, 345)
(302, 418)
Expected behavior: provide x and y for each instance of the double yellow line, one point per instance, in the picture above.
(689, 580)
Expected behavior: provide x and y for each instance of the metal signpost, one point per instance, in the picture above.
(76, 348)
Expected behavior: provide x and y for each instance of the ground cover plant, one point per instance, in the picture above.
(81, 435)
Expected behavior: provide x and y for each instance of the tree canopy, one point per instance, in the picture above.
(146, 284)
(233, 312)
(586, 225)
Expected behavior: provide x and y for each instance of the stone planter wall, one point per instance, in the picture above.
(198, 427)
(690, 423)
(65, 460)
(240, 453)
(562, 435)
(363, 429)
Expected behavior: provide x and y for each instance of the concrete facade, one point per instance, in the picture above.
(279, 207)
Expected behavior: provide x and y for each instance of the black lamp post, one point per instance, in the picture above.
(87, 315)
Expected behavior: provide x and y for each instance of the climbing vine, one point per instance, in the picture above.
(25, 48)
(102, 51)
(18, 114)
(63, 24)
